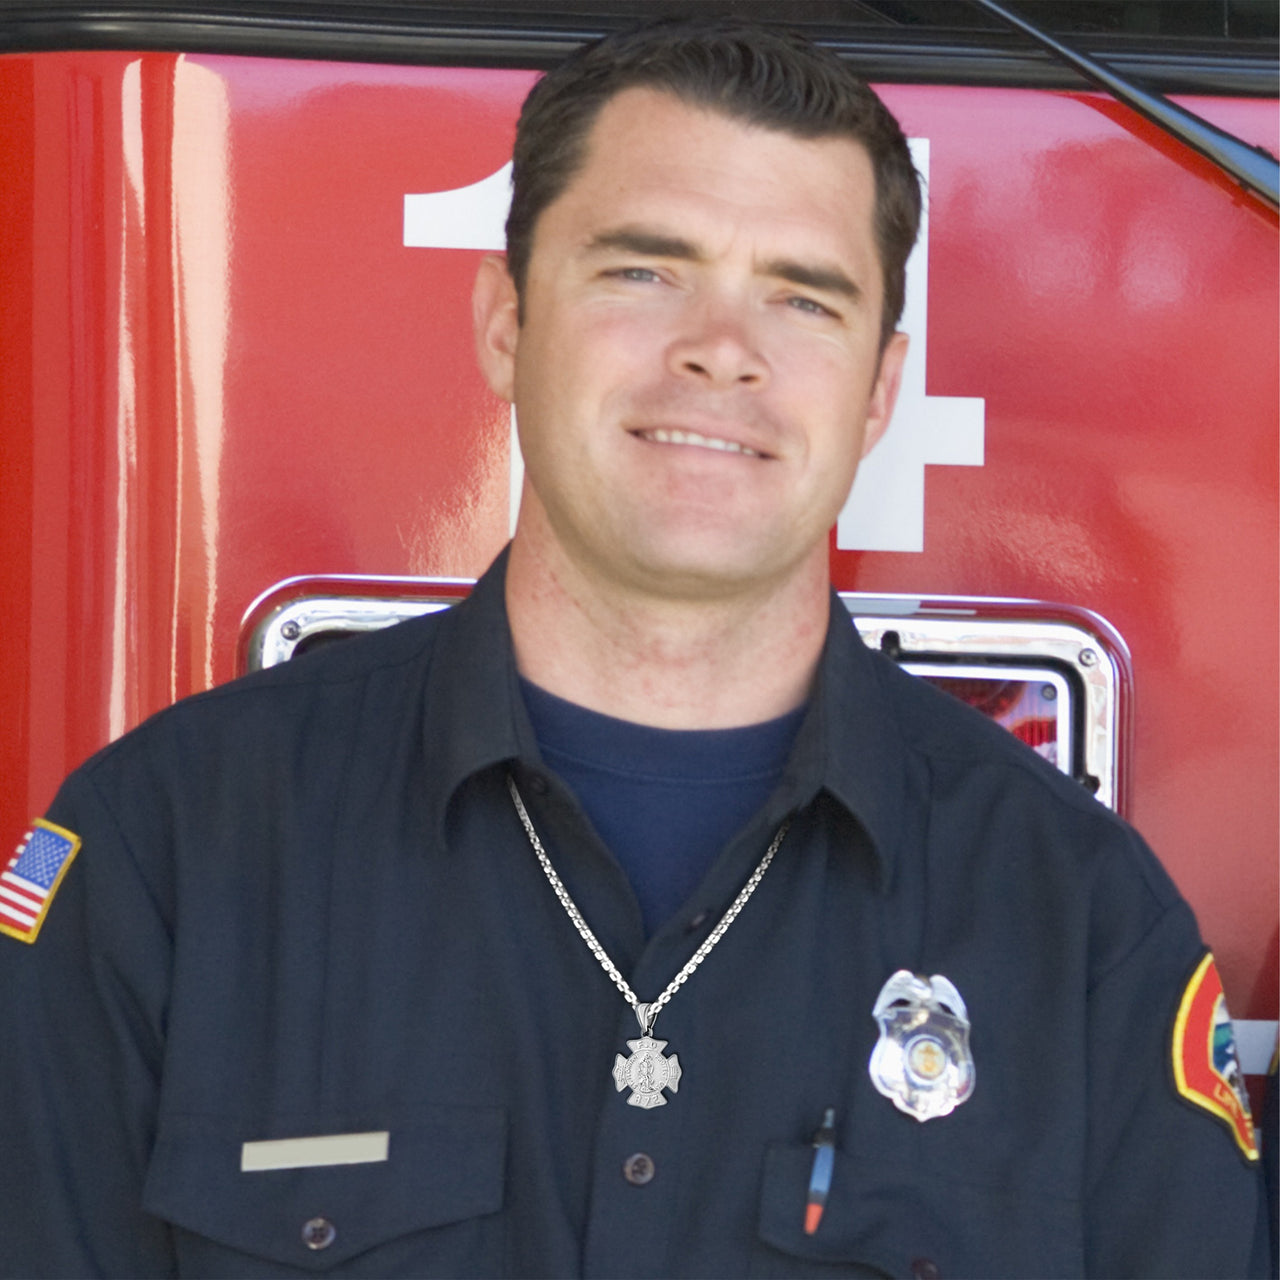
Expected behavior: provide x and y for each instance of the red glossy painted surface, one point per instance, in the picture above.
(222, 368)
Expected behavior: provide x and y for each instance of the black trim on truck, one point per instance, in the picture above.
(874, 33)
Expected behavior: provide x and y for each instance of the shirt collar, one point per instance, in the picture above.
(859, 750)
(474, 717)
(848, 746)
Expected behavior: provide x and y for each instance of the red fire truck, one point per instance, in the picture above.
(241, 415)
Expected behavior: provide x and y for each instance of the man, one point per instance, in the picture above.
(631, 918)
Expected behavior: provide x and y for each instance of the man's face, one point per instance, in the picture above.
(697, 373)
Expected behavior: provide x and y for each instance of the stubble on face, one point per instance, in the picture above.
(698, 353)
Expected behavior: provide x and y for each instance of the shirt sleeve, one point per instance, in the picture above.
(82, 1011)
(1169, 1190)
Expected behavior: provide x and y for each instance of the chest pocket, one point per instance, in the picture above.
(886, 1221)
(430, 1208)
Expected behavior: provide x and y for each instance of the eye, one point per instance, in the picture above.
(810, 306)
(642, 275)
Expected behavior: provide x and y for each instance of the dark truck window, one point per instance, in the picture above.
(1173, 46)
(1202, 20)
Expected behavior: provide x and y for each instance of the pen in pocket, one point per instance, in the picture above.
(824, 1159)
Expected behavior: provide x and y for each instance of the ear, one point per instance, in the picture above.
(496, 325)
(884, 394)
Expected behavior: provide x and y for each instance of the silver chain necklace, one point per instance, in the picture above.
(647, 1072)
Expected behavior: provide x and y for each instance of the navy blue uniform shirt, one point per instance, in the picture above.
(664, 801)
(304, 907)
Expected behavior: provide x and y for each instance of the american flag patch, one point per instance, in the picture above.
(31, 878)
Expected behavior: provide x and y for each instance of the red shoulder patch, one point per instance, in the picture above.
(1205, 1067)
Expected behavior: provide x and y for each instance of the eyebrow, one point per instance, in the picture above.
(656, 244)
(652, 244)
(824, 279)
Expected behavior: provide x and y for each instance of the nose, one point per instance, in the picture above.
(716, 347)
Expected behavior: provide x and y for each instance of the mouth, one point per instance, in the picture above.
(675, 435)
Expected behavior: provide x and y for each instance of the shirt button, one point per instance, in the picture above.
(925, 1269)
(638, 1169)
(319, 1233)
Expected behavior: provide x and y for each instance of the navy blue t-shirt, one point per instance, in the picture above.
(665, 801)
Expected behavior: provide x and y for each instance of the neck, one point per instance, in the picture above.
(671, 661)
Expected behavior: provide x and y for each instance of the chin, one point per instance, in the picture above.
(709, 573)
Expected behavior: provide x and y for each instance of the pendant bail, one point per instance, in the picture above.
(645, 1018)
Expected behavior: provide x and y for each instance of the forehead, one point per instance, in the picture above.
(650, 154)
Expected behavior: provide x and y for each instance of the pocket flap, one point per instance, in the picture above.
(900, 1221)
(444, 1164)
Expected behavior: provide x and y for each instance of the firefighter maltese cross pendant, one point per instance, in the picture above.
(646, 1072)
(922, 1062)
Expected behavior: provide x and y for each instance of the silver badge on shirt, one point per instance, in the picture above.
(922, 1062)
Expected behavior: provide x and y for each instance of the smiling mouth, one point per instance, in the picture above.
(668, 435)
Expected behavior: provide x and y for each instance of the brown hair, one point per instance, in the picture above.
(760, 75)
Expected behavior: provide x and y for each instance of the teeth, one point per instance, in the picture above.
(664, 436)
